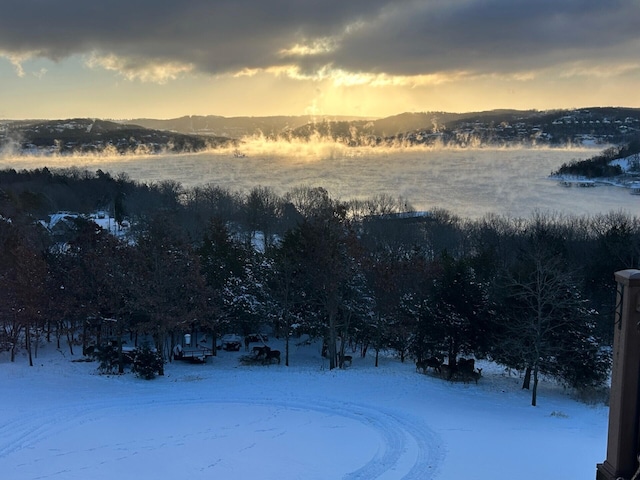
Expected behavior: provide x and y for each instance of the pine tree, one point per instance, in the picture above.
(147, 363)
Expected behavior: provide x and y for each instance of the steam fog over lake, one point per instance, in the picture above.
(467, 182)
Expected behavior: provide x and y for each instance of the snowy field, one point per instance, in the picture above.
(61, 420)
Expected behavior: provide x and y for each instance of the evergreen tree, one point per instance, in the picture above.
(147, 362)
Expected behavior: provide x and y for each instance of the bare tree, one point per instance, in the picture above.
(547, 318)
(309, 201)
(23, 273)
(262, 211)
(324, 252)
(172, 287)
(382, 205)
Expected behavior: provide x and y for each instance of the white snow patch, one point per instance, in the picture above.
(61, 420)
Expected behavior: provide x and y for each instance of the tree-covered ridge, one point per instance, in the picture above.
(533, 294)
(600, 166)
(601, 125)
(497, 128)
(93, 136)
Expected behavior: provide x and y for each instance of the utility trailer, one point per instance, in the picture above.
(197, 354)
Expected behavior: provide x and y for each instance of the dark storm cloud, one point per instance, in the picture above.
(216, 35)
(495, 36)
(400, 37)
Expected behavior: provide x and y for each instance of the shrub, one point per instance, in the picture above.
(107, 355)
(593, 395)
(147, 363)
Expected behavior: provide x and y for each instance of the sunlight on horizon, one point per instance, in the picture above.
(316, 149)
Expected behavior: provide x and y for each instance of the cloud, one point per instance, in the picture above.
(16, 60)
(356, 41)
(140, 68)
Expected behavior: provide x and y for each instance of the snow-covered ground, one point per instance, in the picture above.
(61, 420)
(628, 164)
(630, 177)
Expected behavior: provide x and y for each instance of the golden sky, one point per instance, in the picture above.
(163, 59)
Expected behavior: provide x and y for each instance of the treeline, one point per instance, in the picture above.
(599, 166)
(533, 294)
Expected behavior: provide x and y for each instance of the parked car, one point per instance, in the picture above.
(231, 342)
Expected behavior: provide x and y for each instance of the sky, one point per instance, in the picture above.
(120, 59)
(61, 420)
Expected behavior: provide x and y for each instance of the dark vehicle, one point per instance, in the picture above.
(231, 343)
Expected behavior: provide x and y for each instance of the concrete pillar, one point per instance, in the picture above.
(624, 413)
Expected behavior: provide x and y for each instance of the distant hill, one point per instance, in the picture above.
(585, 126)
(596, 126)
(83, 135)
(235, 127)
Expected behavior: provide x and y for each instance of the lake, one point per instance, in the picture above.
(468, 182)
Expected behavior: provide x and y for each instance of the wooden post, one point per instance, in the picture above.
(624, 413)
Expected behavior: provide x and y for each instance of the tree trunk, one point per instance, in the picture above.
(345, 334)
(172, 339)
(14, 336)
(341, 353)
(286, 349)
(120, 356)
(70, 340)
(332, 341)
(119, 329)
(377, 351)
(37, 338)
(160, 340)
(534, 392)
(99, 335)
(526, 383)
(453, 353)
(28, 343)
(84, 337)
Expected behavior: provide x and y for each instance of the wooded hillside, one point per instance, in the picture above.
(535, 294)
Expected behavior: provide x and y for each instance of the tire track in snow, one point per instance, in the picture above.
(408, 444)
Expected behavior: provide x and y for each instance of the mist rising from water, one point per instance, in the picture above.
(318, 147)
(468, 182)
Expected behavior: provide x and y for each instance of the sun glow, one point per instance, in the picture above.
(343, 78)
(142, 70)
(316, 47)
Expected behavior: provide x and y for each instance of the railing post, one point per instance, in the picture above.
(624, 413)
